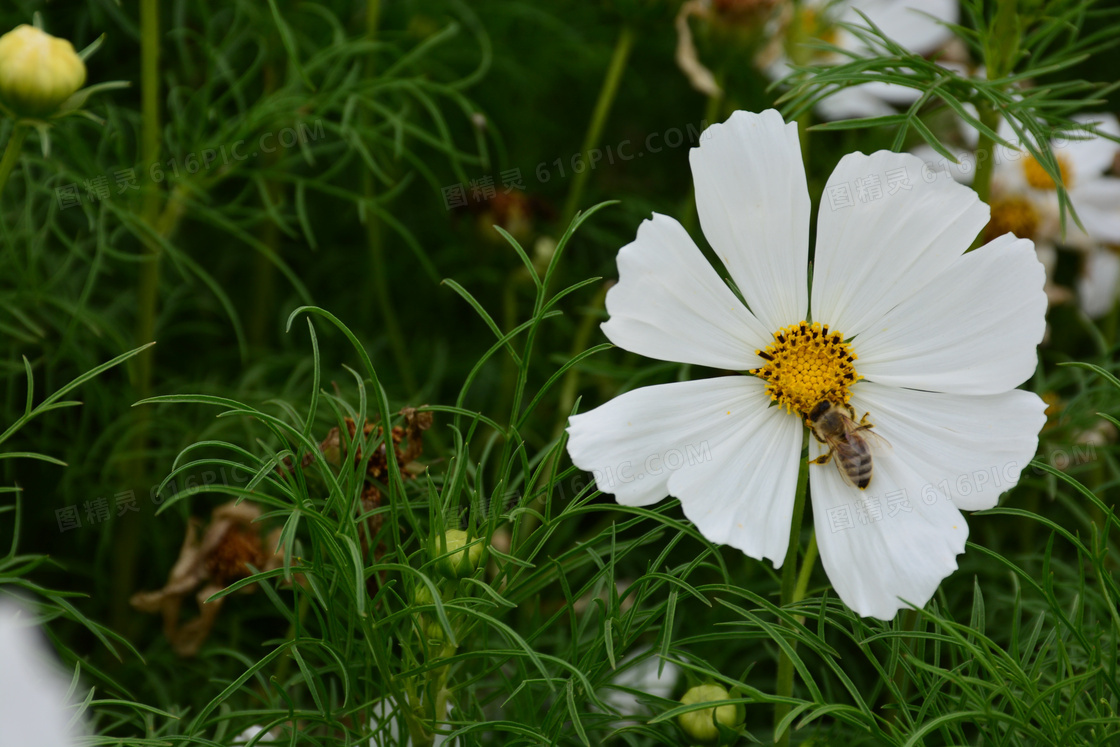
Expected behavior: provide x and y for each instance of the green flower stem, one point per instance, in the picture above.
(806, 571)
(569, 388)
(607, 95)
(902, 682)
(713, 112)
(11, 153)
(261, 319)
(790, 586)
(374, 239)
(985, 159)
(147, 297)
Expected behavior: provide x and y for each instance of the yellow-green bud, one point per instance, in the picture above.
(421, 595)
(37, 71)
(699, 725)
(434, 631)
(462, 560)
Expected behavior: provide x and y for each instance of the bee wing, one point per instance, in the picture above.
(875, 440)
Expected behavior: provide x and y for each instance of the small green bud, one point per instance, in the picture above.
(700, 725)
(434, 631)
(462, 560)
(421, 595)
(37, 71)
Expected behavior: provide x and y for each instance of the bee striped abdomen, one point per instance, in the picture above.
(854, 459)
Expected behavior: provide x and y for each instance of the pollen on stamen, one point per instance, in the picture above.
(805, 364)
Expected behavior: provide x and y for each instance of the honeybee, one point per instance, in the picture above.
(847, 440)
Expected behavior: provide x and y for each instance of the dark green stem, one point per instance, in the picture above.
(607, 95)
(789, 593)
(985, 159)
(374, 238)
(12, 152)
(127, 542)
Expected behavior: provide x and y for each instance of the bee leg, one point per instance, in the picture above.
(814, 432)
(863, 421)
(822, 459)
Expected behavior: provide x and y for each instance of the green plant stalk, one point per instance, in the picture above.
(789, 592)
(264, 271)
(901, 681)
(985, 160)
(607, 95)
(150, 152)
(147, 298)
(379, 281)
(713, 112)
(11, 152)
(569, 388)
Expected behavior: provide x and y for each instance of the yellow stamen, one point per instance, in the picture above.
(805, 364)
(1012, 214)
(1039, 179)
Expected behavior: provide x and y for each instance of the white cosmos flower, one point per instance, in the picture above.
(35, 709)
(938, 340)
(917, 25)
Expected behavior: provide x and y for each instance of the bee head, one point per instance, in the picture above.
(819, 409)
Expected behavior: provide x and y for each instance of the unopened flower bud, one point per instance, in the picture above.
(421, 595)
(37, 71)
(462, 559)
(702, 725)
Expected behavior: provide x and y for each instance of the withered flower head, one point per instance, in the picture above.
(230, 544)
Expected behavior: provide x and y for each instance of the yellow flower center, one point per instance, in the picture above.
(1039, 179)
(814, 24)
(805, 364)
(1012, 214)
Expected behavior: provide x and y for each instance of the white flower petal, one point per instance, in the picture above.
(1093, 156)
(937, 166)
(670, 304)
(753, 203)
(1097, 203)
(874, 252)
(884, 546)
(1097, 284)
(714, 443)
(743, 495)
(970, 448)
(34, 710)
(971, 329)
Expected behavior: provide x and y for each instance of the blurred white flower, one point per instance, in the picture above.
(36, 709)
(387, 731)
(251, 732)
(917, 25)
(942, 338)
(651, 675)
(1024, 200)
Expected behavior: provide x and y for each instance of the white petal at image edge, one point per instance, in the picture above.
(968, 448)
(715, 444)
(876, 248)
(972, 329)
(753, 203)
(876, 559)
(671, 305)
(34, 708)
